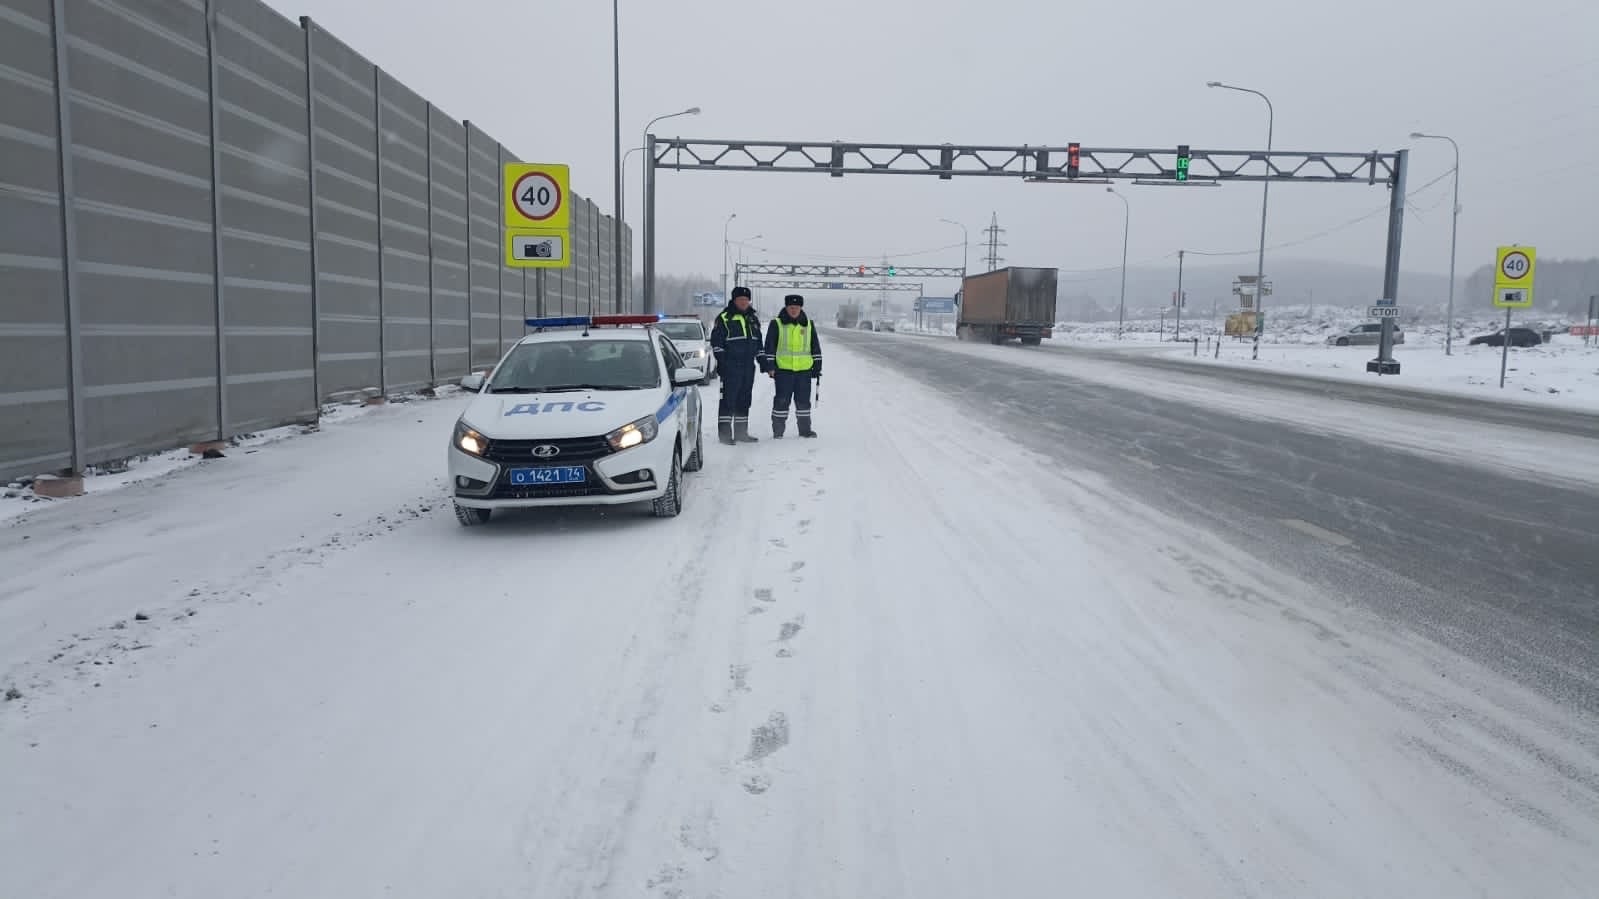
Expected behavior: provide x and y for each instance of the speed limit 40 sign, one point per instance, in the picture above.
(537, 195)
(1514, 268)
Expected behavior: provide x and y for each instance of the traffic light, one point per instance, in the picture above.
(1073, 157)
(891, 271)
(1182, 162)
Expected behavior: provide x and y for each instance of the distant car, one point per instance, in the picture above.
(1519, 337)
(689, 335)
(1364, 335)
(885, 325)
(578, 414)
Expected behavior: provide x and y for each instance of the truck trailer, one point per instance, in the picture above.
(849, 315)
(1011, 303)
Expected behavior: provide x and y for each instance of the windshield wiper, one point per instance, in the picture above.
(513, 390)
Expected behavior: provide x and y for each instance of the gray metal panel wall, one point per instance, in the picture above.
(513, 287)
(605, 272)
(403, 182)
(483, 216)
(35, 417)
(627, 269)
(141, 165)
(451, 312)
(263, 167)
(578, 272)
(208, 194)
(344, 149)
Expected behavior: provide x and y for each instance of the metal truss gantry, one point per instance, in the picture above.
(862, 287)
(1073, 163)
(851, 271)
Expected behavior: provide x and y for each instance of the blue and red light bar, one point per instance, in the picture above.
(588, 321)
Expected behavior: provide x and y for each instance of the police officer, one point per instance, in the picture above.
(736, 341)
(794, 357)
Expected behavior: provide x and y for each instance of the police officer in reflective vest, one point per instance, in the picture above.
(736, 341)
(794, 353)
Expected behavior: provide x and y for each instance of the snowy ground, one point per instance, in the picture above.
(17, 496)
(1563, 372)
(865, 665)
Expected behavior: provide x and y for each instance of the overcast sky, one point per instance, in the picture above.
(1517, 85)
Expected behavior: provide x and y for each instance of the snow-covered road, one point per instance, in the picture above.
(908, 659)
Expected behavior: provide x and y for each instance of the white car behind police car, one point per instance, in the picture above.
(691, 338)
(584, 411)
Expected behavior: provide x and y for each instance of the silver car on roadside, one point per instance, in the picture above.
(1364, 335)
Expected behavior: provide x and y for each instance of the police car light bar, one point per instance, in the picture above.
(563, 321)
(587, 321)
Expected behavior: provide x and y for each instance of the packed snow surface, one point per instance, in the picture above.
(907, 659)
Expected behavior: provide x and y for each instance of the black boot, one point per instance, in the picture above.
(724, 432)
(808, 432)
(778, 424)
(741, 431)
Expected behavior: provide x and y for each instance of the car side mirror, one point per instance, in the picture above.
(687, 377)
(472, 382)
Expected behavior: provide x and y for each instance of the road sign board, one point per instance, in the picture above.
(537, 195)
(1515, 265)
(536, 248)
(1513, 297)
(937, 305)
(1383, 311)
(1387, 301)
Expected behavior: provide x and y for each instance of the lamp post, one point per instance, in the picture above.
(1265, 192)
(725, 288)
(616, 135)
(1449, 322)
(1127, 221)
(965, 243)
(741, 244)
(621, 191)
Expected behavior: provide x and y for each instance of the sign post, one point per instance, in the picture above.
(1386, 309)
(538, 216)
(1514, 267)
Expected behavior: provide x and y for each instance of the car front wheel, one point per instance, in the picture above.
(670, 503)
(469, 517)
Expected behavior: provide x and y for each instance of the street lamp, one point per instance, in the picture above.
(1449, 323)
(1127, 220)
(616, 136)
(621, 191)
(741, 244)
(730, 217)
(965, 243)
(1265, 190)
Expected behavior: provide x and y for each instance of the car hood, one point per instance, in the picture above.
(587, 413)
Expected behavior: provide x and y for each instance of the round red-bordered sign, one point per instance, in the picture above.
(537, 196)
(1515, 266)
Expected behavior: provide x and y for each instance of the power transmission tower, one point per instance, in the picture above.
(994, 231)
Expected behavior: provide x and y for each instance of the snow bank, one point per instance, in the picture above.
(17, 497)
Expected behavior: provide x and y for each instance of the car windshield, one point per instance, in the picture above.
(683, 330)
(579, 364)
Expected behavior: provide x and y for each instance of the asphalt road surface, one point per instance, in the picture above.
(1503, 570)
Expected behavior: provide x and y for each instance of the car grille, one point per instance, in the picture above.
(572, 451)
(503, 490)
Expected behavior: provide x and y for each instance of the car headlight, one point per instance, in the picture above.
(633, 433)
(468, 440)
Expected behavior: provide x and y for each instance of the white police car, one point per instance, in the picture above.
(584, 411)
(693, 341)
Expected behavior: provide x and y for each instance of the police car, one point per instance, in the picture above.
(586, 410)
(693, 341)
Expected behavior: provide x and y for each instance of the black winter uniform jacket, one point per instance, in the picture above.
(736, 338)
